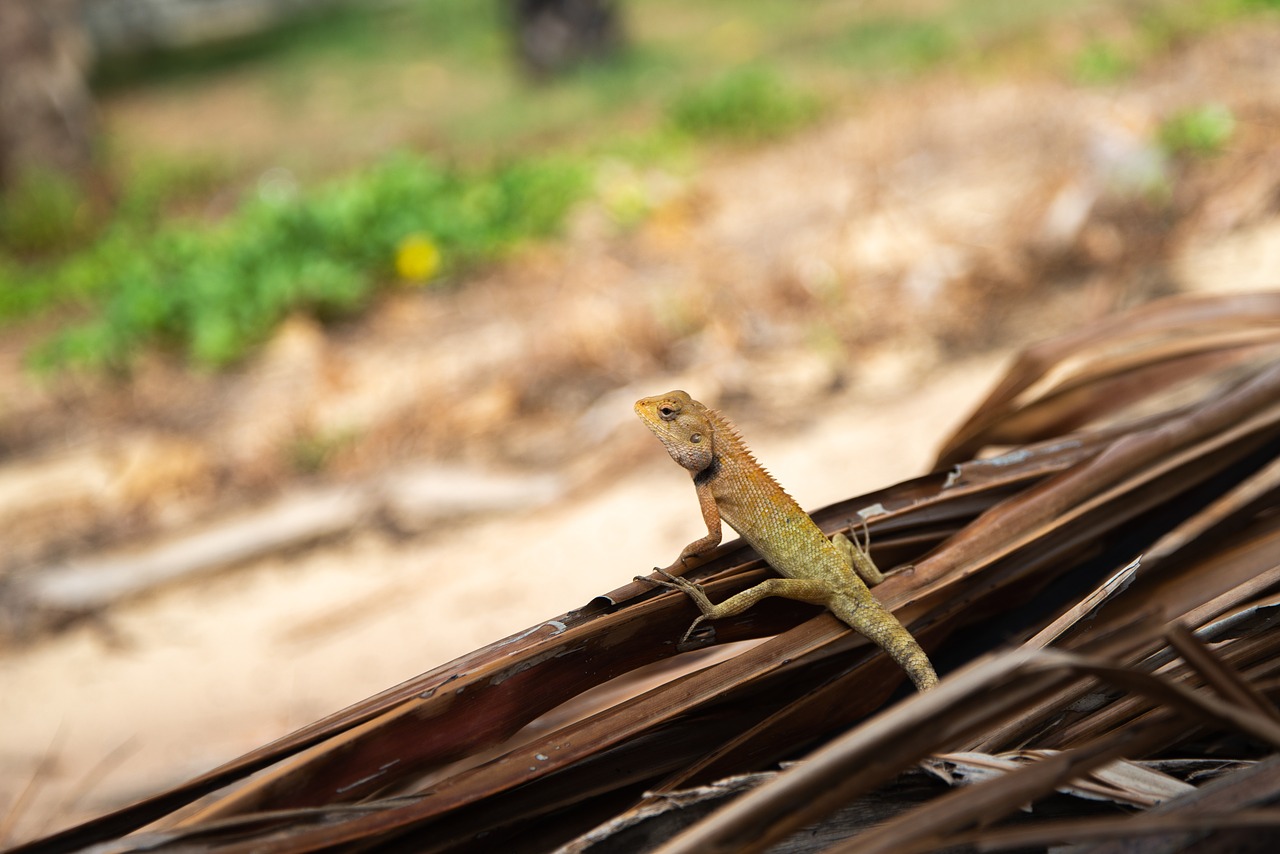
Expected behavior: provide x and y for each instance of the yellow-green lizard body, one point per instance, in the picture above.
(732, 486)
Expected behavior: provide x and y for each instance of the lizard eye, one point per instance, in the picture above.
(667, 412)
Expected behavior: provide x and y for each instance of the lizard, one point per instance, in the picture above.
(731, 485)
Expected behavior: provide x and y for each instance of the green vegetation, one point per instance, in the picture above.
(215, 290)
(205, 258)
(1145, 30)
(356, 36)
(888, 46)
(43, 212)
(748, 104)
(1103, 62)
(1199, 131)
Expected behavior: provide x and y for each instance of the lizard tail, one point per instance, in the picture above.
(878, 624)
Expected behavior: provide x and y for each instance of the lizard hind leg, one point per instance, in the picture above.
(857, 554)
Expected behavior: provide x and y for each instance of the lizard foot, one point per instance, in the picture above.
(862, 537)
(677, 583)
(694, 592)
(855, 549)
(673, 582)
(657, 582)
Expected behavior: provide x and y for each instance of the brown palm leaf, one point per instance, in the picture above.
(1094, 566)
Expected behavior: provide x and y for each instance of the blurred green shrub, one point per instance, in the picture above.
(746, 104)
(42, 211)
(1199, 131)
(1101, 62)
(215, 290)
(897, 45)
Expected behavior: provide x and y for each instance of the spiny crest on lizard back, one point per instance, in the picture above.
(727, 433)
(693, 434)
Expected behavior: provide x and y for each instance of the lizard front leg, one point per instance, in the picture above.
(711, 516)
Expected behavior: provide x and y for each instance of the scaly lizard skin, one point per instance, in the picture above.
(732, 486)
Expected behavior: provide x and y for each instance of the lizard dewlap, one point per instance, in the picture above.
(732, 486)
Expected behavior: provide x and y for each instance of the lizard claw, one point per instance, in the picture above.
(684, 585)
(658, 582)
(667, 575)
(697, 621)
(673, 582)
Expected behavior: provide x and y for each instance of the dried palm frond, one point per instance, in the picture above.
(1094, 566)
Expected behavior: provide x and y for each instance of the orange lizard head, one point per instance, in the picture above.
(683, 425)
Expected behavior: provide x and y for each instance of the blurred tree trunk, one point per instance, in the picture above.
(554, 35)
(46, 113)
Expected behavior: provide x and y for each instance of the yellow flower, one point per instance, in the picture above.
(417, 258)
